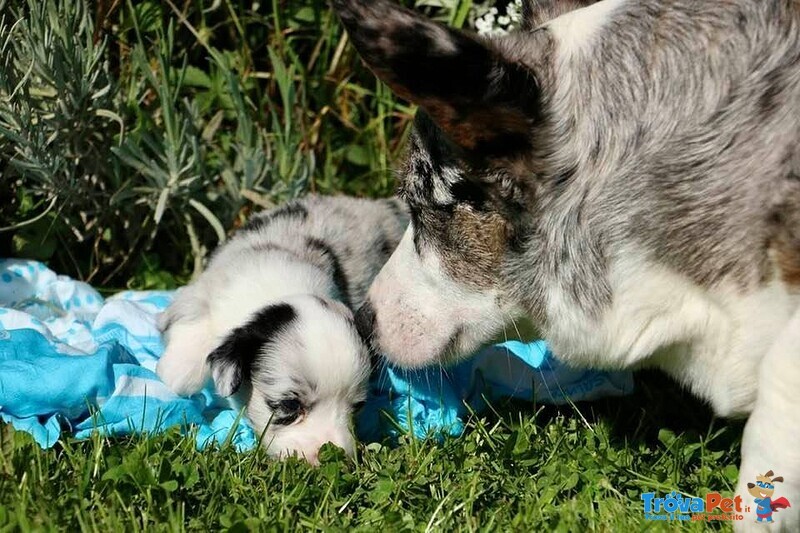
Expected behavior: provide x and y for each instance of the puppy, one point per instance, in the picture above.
(270, 319)
(627, 176)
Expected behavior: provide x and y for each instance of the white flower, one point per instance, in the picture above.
(483, 26)
(514, 11)
(491, 23)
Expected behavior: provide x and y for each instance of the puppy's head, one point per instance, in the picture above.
(440, 295)
(301, 369)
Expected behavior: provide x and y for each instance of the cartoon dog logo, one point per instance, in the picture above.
(762, 490)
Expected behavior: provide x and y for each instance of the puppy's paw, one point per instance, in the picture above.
(183, 377)
(183, 367)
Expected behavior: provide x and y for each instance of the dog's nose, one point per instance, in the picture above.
(365, 322)
(312, 458)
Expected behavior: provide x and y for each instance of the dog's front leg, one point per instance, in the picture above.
(188, 338)
(772, 435)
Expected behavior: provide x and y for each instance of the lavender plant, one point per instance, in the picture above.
(135, 135)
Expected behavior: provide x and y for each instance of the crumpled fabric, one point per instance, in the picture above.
(436, 401)
(73, 362)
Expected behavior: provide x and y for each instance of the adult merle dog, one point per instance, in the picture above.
(627, 176)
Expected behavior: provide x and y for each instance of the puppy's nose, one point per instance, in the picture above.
(312, 458)
(365, 322)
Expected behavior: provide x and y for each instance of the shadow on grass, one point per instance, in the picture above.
(658, 403)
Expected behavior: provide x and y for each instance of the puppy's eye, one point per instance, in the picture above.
(286, 411)
(285, 420)
(359, 406)
(291, 405)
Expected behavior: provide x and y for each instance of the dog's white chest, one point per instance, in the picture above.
(712, 341)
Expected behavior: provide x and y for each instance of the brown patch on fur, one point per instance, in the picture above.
(787, 257)
(784, 244)
(477, 245)
(470, 128)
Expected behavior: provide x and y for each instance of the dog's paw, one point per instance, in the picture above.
(183, 367)
(779, 525)
(183, 377)
(749, 525)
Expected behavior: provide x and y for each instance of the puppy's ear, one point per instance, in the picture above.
(484, 102)
(232, 361)
(769, 474)
(342, 309)
(778, 479)
(336, 306)
(751, 485)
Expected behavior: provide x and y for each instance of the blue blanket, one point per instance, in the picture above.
(73, 362)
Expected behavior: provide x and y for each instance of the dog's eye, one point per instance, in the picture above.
(358, 406)
(286, 411)
(290, 405)
(285, 420)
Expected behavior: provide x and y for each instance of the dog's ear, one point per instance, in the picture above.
(228, 366)
(778, 479)
(232, 361)
(484, 102)
(751, 485)
(769, 474)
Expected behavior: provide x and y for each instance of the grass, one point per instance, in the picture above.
(135, 135)
(523, 468)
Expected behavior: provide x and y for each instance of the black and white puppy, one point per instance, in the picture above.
(271, 319)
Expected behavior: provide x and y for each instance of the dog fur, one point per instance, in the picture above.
(271, 319)
(627, 176)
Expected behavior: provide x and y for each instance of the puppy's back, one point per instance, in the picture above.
(350, 238)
